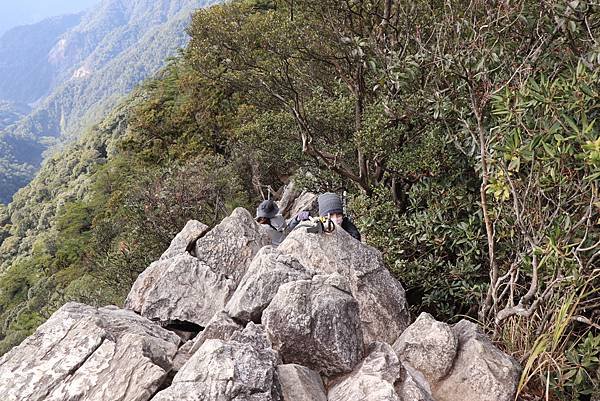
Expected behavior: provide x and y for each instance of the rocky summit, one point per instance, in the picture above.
(225, 316)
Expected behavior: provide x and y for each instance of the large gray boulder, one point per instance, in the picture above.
(181, 288)
(220, 327)
(84, 353)
(382, 301)
(242, 369)
(428, 346)
(150, 278)
(315, 323)
(373, 379)
(186, 239)
(269, 270)
(481, 372)
(230, 247)
(299, 383)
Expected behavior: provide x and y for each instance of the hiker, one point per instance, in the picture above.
(268, 215)
(330, 205)
(300, 217)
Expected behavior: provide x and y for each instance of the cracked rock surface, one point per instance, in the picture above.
(300, 384)
(84, 353)
(186, 239)
(373, 379)
(229, 248)
(315, 323)
(428, 346)
(181, 288)
(267, 272)
(382, 301)
(242, 368)
(481, 372)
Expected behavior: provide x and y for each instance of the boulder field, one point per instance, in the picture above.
(223, 315)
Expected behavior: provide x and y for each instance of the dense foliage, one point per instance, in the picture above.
(464, 133)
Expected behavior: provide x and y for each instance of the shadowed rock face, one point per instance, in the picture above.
(293, 201)
(413, 388)
(84, 353)
(315, 323)
(382, 301)
(243, 368)
(300, 384)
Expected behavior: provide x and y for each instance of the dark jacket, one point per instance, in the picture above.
(350, 228)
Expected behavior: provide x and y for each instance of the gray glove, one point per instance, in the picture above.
(303, 216)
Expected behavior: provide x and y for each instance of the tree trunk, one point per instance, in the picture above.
(363, 172)
(477, 108)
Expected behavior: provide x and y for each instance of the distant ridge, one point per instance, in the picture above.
(88, 63)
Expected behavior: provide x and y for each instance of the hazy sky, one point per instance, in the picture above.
(21, 12)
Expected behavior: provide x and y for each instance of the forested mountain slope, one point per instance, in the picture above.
(11, 113)
(93, 64)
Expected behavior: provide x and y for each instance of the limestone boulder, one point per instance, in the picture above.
(269, 270)
(481, 372)
(181, 288)
(84, 353)
(428, 346)
(316, 323)
(243, 368)
(299, 383)
(186, 239)
(229, 248)
(220, 327)
(146, 281)
(382, 301)
(373, 379)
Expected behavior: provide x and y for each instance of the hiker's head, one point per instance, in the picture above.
(330, 205)
(266, 211)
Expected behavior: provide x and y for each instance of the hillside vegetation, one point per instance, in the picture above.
(465, 134)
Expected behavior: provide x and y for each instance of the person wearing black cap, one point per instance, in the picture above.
(268, 215)
(330, 205)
